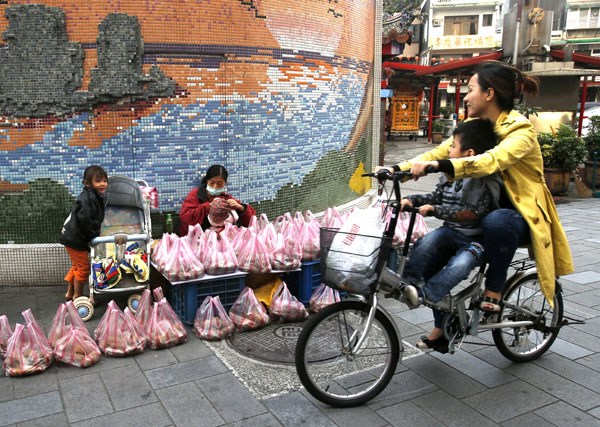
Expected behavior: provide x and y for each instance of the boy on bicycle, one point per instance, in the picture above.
(444, 257)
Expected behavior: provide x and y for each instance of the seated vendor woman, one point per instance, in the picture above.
(196, 206)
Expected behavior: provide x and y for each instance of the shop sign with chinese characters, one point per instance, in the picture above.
(462, 42)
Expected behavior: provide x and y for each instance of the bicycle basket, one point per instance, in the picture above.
(349, 260)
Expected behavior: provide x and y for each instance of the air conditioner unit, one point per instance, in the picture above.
(595, 53)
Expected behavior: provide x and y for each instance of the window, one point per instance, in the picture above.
(487, 20)
(583, 18)
(460, 25)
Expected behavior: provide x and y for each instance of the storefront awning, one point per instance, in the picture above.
(456, 66)
(577, 57)
(407, 66)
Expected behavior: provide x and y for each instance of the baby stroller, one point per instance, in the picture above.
(120, 256)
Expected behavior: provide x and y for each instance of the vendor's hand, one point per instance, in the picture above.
(418, 168)
(378, 168)
(426, 210)
(233, 204)
(404, 203)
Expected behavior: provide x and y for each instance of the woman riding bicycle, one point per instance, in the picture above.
(527, 214)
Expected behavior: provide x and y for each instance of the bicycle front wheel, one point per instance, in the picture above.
(330, 364)
(526, 343)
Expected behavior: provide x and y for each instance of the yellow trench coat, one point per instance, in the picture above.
(519, 160)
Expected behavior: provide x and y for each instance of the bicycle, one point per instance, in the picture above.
(347, 353)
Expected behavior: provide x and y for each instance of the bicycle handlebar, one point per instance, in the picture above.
(385, 175)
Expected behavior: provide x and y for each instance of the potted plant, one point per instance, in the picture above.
(592, 146)
(437, 130)
(562, 151)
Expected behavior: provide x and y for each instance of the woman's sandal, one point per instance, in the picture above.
(490, 305)
(439, 344)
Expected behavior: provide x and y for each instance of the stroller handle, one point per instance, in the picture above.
(121, 237)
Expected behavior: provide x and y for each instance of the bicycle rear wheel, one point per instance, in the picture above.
(526, 343)
(332, 368)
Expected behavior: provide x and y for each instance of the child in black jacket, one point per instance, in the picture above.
(81, 226)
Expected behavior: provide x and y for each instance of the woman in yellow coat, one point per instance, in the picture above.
(528, 214)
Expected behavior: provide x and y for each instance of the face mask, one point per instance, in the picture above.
(214, 191)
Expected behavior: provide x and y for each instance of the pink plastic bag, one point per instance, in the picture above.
(144, 311)
(285, 307)
(212, 321)
(247, 312)
(37, 332)
(150, 194)
(286, 254)
(161, 253)
(5, 333)
(311, 243)
(26, 353)
(253, 256)
(76, 347)
(219, 256)
(115, 336)
(322, 297)
(66, 316)
(164, 328)
(182, 264)
(331, 218)
(263, 220)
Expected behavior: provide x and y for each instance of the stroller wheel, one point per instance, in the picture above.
(133, 302)
(84, 308)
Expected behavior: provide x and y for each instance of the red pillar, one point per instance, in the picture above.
(457, 96)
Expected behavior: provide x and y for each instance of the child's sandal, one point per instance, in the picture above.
(490, 305)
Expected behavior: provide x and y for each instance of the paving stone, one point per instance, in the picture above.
(404, 386)
(264, 420)
(562, 414)
(239, 404)
(128, 387)
(492, 356)
(587, 299)
(187, 405)
(557, 385)
(417, 316)
(475, 368)
(104, 364)
(592, 361)
(408, 414)
(36, 384)
(144, 415)
(358, 416)
(451, 411)
(155, 359)
(574, 371)
(579, 312)
(580, 338)
(85, 397)
(569, 350)
(523, 398)
(527, 420)
(294, 409)
(29, 408)
(595, 412)
(7, 391)
(185, 372)
(56, 420)
(445, 377)
(591, 326)
(193, 349)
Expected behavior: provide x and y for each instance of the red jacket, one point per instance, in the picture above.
(196, 205)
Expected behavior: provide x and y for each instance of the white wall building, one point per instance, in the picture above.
(461, 28)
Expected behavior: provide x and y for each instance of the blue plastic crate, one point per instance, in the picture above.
(303, 283)
(185, 298)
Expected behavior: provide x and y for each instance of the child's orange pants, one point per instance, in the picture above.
(80, 266)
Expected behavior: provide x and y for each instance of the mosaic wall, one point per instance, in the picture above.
(277, 91)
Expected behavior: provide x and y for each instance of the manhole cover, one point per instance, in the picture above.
(275, 343)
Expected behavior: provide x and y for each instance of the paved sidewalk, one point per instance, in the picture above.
(200, 384)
